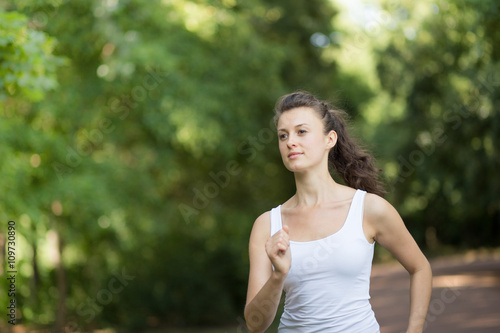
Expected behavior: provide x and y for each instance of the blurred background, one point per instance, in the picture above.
(137, 146)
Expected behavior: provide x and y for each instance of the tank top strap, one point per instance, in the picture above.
(276, 224)
(354, 222)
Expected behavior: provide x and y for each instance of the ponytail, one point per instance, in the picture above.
(351, 162)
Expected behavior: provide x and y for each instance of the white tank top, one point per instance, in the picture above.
(327, 287)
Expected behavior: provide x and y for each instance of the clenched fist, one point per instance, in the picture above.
(278, 251)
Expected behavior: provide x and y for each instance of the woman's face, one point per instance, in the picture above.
(302, 141)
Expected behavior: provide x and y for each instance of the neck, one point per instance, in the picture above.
(314, 188)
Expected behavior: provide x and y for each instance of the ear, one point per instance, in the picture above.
(331, 139)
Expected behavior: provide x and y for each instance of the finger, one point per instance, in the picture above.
(285, 229)
(282, 246)
(282, 234)
(283, 250)
(284, 237)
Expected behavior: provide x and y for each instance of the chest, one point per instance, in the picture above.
(335, 256)
(313, 224)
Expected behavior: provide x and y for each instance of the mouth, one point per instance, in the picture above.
(294, 155)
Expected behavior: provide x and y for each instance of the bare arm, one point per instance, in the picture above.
(387, 228)
(261, 310)
(265, 285)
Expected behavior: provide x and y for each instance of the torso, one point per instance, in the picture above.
(327, 286)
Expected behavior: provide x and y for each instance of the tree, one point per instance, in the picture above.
(442, 62)
(151, 154)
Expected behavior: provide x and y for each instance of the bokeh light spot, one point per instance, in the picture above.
(102, 70)
(35, 160)
(57, 208)
(320, 40)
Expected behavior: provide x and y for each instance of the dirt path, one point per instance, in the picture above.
(465, 297)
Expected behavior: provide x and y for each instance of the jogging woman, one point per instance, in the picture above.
(318, 245)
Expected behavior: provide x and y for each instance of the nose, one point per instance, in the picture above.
(291, 142)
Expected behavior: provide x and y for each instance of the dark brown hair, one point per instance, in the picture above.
(353, 163)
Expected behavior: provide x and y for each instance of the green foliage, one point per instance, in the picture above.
(138, 127)
(27, 64)
(154, 152)
(448, 77)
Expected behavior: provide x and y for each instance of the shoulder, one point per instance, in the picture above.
(377, 207)
(264, 220)
(380, 215)
(261, 228)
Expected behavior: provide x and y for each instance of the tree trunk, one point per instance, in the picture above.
(61, 287)
(35, 281)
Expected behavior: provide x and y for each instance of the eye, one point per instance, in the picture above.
(302, 131)
(282, 136)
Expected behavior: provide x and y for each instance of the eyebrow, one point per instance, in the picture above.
(303, 124)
